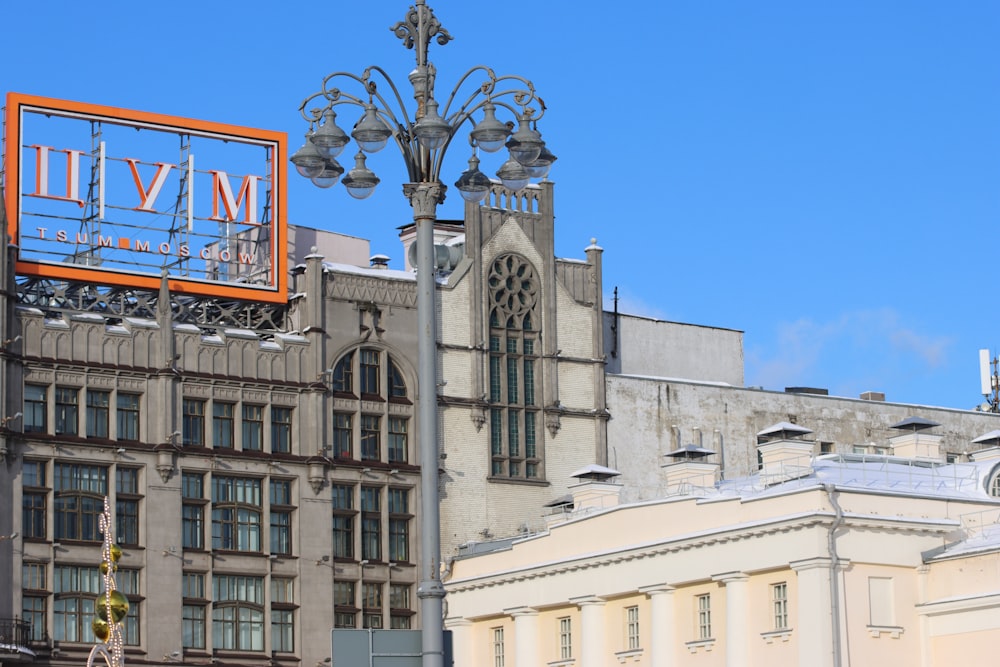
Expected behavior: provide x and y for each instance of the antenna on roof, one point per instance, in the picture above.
(989, 381)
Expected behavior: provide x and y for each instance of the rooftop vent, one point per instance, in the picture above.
(379, 261)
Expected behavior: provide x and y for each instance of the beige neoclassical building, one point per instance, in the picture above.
(836, 560)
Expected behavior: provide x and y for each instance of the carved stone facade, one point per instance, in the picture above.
(269, 474)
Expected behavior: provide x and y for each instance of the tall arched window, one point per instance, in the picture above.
(515, 447)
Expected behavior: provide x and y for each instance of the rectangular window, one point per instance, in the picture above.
(67, 410)
(193, 626)
(98, 412)
(127, 521)
(193, 514)
(33, 607)
(35, 410)
(282, 590)
(127, 506)
(281, 430)
(33, 611)
(342, 432)
(371, 603)
(193, 586)
(565, 638)
(194, 422)
(282, 619)
(343, 521)
(343, 594)
(371, 596)
(128, 416)
(345, 611)
(779, 604)
(399, 525)
(79, 500)
(128, 584)
(632, 628)
(371, 430)
(371, 523)
(222, 425)
(498, 647)
(74, 588)
(370, 372)
(704, 616)
(399, 596)
(345, 619)
(397, 440)
(282, 630)
(127, 481)
(33, 577)
(281, 516)
(34, 500)
(253, 427)
(238, 613)
(236, 514)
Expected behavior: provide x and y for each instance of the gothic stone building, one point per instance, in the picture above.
(261, 465)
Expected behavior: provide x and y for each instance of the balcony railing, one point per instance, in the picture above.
(15, 636)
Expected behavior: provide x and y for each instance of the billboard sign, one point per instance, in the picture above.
(118, 197)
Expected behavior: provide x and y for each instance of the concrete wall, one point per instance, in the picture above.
(650, 417)
(643, 346)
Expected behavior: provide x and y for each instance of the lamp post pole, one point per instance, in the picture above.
(423, 140)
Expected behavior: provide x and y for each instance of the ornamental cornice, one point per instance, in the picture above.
(351, 287)
(681, 544)
(626, 556)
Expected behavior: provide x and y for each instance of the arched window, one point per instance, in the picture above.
(372, 409)
(993, 486)
(515, 442)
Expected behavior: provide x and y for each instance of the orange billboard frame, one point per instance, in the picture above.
(275, 291)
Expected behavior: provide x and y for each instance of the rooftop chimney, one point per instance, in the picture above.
(913, 443)
(595, 490)
(688, 473)
(783, 454)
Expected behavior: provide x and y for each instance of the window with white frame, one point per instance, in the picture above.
(632, 628)
(565, 638)
(779, 605)
(498, 647)
(704, 617)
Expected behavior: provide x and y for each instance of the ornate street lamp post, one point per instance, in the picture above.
(423, 139)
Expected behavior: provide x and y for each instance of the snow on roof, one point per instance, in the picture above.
(689, 450)
(595, 470)
(784, 427)
(992, 436)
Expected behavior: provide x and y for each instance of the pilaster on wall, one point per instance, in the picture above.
(594, 257)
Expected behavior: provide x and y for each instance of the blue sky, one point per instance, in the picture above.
(824, 176)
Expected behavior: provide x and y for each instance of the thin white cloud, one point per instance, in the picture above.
(855, 350)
